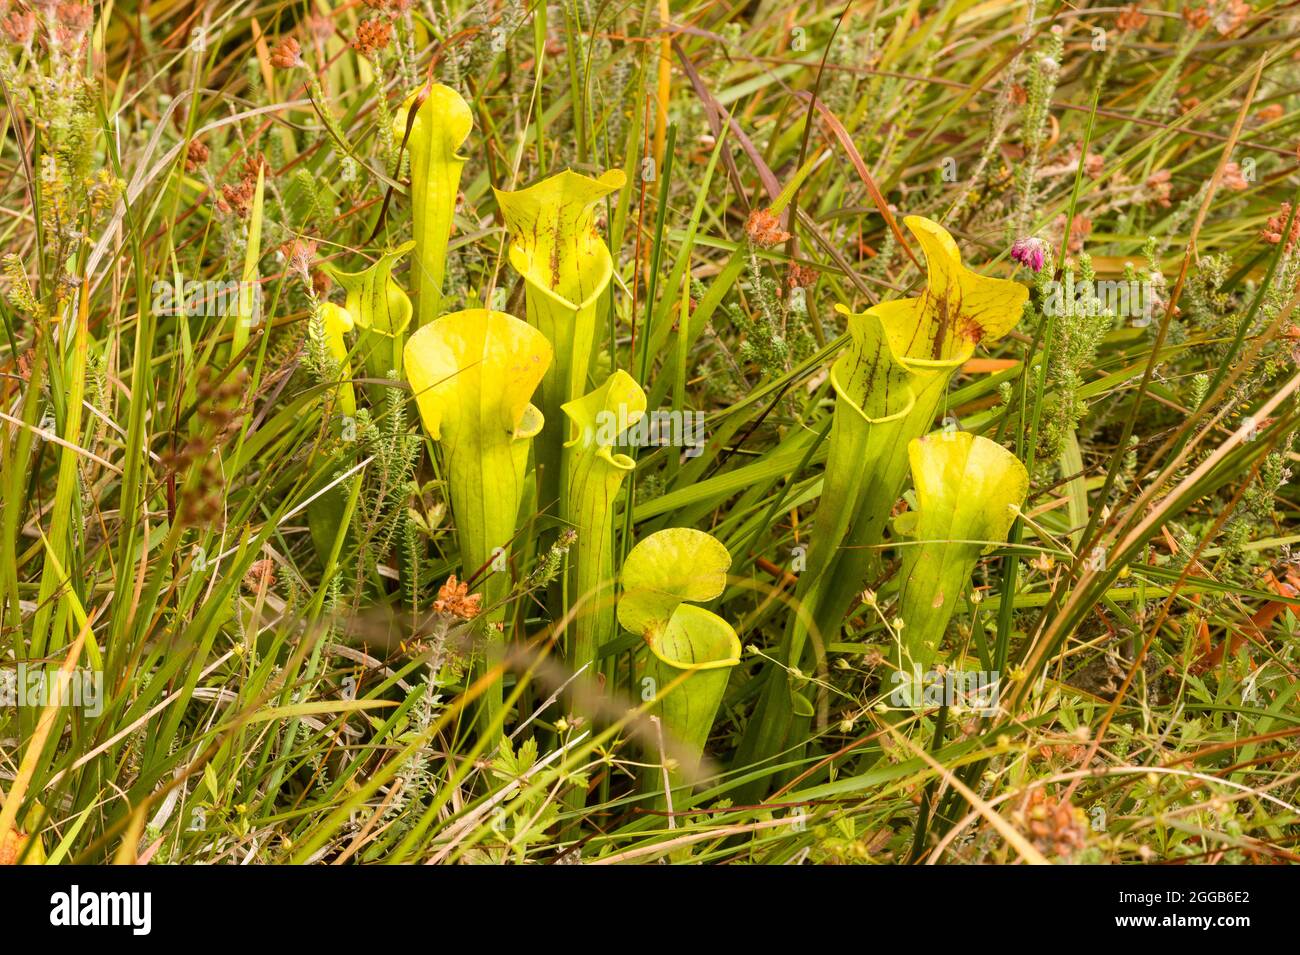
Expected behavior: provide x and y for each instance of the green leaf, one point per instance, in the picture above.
(210, 780)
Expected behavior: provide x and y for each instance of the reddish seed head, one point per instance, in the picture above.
(1273, 229)
(372, 36)
(1233, 178)
(287, 54)
(1131, 19)
(195, 155)
(455, 600)
(76, 18)
(764, 229)
(20, 27)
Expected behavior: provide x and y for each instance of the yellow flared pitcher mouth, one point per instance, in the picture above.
(554, 243)
(696, 639)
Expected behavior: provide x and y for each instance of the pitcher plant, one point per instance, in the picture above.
(968, 492)
(381, 311)
(689, 651)
(439, 126)
(594, 471)
(473, 374)
(566, 268)
(889, 385)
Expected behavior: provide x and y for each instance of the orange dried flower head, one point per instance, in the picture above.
(455, 600)
(76, 18)
(1132, 19)
(801, 276)
(1271, 112)
(253, 164)
(1233, 178)
(1018, 95)
(239, 198)
(1055, 826)
(287, 54)
(20, 27)
(1159, 188)
(195, 155)
(236, 199)
(764, 229)
(372, 36)
(1229, 15)
(1273, 229)
(261, 574)
(1196, 17)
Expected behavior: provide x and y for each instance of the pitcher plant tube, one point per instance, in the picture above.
(594, 471)
(566, 268)
(689, 651)
(968, 492)
(889, 385)
(473, 374)
(440, 121)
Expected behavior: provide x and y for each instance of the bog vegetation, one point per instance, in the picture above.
(716, 432)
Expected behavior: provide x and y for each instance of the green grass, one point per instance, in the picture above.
(275, 694)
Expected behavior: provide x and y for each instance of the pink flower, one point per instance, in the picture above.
(1030, 253)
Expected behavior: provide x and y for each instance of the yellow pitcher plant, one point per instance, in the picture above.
(473, 373)
(439, 126)
(968, 492)
(689, 651)
(889, 385)
(381, 311)
(594, 472)
(566, 268)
